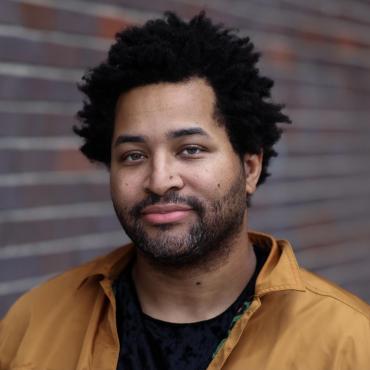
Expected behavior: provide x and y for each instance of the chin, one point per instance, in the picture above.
(169, 227)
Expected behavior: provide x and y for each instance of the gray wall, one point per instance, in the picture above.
(54, 206)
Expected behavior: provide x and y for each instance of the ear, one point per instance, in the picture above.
(252, 167)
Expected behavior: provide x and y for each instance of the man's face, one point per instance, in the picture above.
(178, 187)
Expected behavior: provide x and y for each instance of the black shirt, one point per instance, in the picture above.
(151, 344)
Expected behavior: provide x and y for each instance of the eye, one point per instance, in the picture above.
(132, 157)
(191, 151)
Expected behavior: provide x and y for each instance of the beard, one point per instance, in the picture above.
(209, 239)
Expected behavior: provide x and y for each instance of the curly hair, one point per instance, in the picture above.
(173, 50)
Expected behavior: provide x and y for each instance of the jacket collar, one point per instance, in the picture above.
(108, 266)
(279, 272)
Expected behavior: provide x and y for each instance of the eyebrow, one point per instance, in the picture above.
(186, 132)
(129, 139)
(171, 135)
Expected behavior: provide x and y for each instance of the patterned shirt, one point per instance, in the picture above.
(151, 344)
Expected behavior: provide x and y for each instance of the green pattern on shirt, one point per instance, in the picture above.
(236, 318)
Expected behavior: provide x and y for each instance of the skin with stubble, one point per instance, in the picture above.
(179, 191)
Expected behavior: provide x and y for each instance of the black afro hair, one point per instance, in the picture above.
(173, 50)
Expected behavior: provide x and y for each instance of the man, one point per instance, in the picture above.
(180, 116)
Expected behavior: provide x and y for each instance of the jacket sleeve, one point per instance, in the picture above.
(12, 329)
(354, 352)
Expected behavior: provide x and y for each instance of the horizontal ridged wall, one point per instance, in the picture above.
(55, 210)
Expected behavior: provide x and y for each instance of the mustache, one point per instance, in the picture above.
(168, 198)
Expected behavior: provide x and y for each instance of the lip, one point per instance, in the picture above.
(165, 213)
(165, 208)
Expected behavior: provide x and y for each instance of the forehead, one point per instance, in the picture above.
(166, 107)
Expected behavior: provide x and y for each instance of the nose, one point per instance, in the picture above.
(163, 176)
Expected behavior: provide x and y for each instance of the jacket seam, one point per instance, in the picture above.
(326, 294)
(281, 286)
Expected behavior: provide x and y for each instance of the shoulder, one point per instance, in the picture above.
(53, 289)
(321, 292)
(68, 282)
(334, 296)
(67, 297)
(338, 315)
(341, 320)
(306, 294)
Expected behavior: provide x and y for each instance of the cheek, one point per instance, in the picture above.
(122, 189)
(217, 180)
(209, 184)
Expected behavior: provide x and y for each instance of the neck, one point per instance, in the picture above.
(196, 293)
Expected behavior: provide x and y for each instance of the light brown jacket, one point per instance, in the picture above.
(296, 321)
